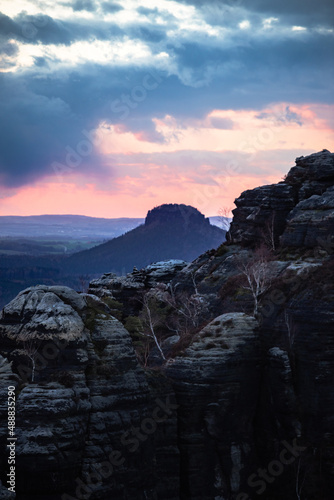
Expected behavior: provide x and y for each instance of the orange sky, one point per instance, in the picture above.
(203, 163)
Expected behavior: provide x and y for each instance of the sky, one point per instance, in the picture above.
(109, 108)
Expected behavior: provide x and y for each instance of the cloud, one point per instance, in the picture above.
(221, 123)
(111, 7)
(294, 12)
(88, 5)
(204, 59)
(9, 49)
(37, 29)
(288, 116)
(36, 131)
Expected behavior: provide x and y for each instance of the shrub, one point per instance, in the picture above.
(133, 324)
(115, 307)
(222, 250)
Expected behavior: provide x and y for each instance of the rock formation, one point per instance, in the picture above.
(263, 214)
(84, 424)
(242, 408)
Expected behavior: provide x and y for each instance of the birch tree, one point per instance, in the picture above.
(151, 320)
(257, 273)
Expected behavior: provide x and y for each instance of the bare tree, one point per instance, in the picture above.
(300, 481)
(256, 271)
(187, 308)
(30, 349)
(151, 320)
(224, 214)
(193, 279)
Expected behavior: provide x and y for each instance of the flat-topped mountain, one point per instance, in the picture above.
(170, 231)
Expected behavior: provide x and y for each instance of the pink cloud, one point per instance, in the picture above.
(206, 163)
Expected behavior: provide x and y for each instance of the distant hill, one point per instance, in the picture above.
(66, 226)
(220, 221)
(170, 231)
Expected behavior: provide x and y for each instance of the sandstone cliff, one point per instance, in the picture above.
(242, 407)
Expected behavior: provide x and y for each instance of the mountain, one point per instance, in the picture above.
(170, 231)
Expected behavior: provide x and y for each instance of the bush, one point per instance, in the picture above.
(133, 325)
(115, 307)
(221, 250)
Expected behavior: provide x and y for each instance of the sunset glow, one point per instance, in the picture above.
(111, 109)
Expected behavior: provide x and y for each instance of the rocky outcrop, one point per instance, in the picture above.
(262, 214)
(85, 416)
(216, 381)
(128, 290)
(297, 401)
(314, 170)
(7, 379)
(311, 223)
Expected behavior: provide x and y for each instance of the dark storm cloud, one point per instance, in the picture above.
(34, 29)
(44, 29)
(46, 109)
(305, 12)
(48, 113)
(296, 12)
(152, 14)
(36, 130)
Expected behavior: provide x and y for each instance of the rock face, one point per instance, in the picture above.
(216, 382)
(84, 424)
(263, 214)
(311, 223)
(313, 169)
(7, 379)
(175, 214)
(128, 290)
